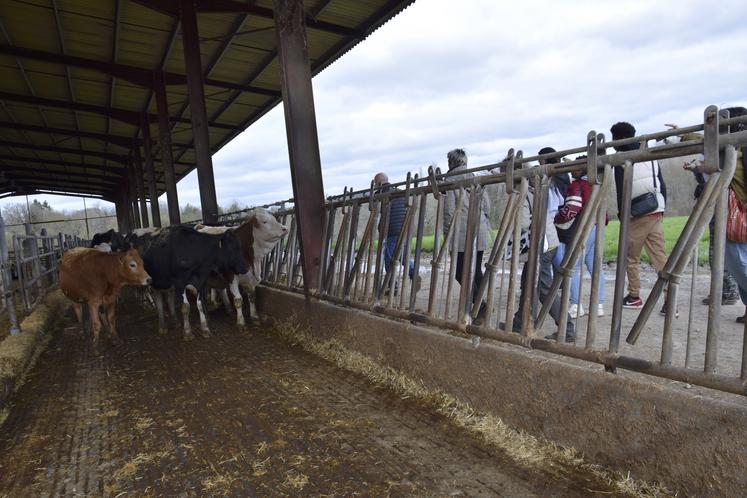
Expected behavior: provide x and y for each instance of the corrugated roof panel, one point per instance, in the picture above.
(144, 41)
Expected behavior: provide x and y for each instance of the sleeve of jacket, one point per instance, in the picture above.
(449, 208)
(619, 188)
(485, 206)
(663, 187)
(571, 207)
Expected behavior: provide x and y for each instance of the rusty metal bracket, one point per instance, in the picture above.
(433, 182)
(591, 157)
(710, 139)
(510, 171)
(408, 185)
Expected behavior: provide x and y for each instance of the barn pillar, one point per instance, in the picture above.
(155, 212)
(122, 208)
(132, 198)
(195, 86)
(137, 166)
(167, 157)
(300, 126)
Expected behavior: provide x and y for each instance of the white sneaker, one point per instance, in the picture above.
(600, 310)
(576, 310)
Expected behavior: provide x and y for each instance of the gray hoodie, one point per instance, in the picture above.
(450, 207)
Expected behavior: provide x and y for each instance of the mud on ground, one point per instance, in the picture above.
(236, 415)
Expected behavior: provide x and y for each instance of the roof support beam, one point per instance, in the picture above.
(193, 64)
(135, 75)
(171, 8)
(118, 140)
(131, 117)
(137, 165)
(13, 171)
(117, 171)
(61, 184)
(65, 193)
(300, 126)
(93, 153)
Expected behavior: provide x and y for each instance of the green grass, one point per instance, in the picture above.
(673, 226)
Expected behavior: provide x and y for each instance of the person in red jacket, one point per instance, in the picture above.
(566, 222)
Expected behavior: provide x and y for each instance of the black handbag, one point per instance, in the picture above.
(645, 203)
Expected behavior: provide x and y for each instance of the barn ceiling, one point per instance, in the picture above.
(76, 79)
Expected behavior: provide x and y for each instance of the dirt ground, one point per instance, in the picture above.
(235, 415)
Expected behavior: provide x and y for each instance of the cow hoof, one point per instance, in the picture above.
(117, 341)
(242, 328)
(163, 330)
(189, 337)
(206, 333)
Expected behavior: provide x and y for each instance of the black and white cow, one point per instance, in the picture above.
(180, 258)
(109, 241)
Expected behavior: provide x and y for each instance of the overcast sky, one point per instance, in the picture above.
(487, 76)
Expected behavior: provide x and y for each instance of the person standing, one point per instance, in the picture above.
(397, 214)
(649, 199)
(457, 160)
(552, 249)
(566, 221)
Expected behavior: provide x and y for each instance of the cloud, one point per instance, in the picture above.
(492, 75)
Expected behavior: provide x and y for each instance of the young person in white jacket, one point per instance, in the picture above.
(646, 229)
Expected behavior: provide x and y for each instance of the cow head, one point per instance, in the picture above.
(132, 269)
(267, 230)
(231, 251)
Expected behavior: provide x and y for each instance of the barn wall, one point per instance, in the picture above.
(681, 438)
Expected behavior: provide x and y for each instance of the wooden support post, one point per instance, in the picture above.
(300, 125)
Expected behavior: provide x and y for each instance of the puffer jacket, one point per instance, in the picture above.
(450, 208)
(647, 177)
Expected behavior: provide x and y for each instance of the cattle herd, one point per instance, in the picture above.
(172, 262)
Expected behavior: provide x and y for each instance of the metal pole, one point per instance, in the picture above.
(195, 85)
(137, 166)
(155, 212)
(85, 215)
(7, 278)
(167, 156)
(132, 200)
(300, 124)
(622, 258)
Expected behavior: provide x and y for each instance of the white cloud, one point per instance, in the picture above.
(490, 75)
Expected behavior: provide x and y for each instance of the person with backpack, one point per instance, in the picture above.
(552, 248)
(566, 223)
(649, 199)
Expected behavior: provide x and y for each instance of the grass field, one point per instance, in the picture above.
(673, 226)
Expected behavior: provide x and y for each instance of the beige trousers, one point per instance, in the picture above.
(645, 231)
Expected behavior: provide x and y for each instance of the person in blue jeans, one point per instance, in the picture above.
(397, 213)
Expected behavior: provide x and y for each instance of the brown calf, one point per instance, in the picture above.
(95, 277)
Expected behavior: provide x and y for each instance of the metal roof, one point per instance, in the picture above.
(76, 76)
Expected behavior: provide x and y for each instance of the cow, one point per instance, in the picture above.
(181, 258)
(257, 236)
(95, 277)
(115, 241)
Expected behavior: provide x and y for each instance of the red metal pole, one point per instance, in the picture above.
(300, 125)
(167, 157)
(154, 209)
(195, 83)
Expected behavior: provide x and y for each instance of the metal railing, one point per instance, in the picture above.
(353, 269)
(35, 259)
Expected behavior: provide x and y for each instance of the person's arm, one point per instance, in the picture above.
(571, 206)
(619, 188)
(449, 208)
(663, 186)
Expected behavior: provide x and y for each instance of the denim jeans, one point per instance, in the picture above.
(588, 260)
(735, 262)
(390, 244)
